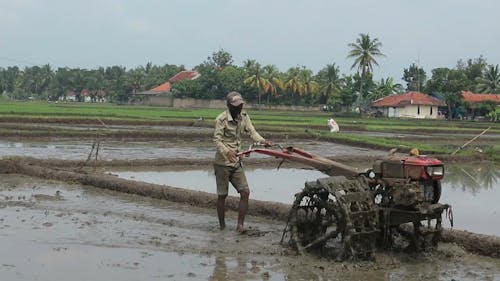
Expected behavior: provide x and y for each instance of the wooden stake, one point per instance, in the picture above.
(473, 139)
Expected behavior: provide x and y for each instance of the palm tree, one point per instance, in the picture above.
(256, 79)
(384, 88)
(293, 82)
(272, 74)
(249, 65)
(489, 82)
(329, 81)
(364, 52)
(310, 86)
(35, 80)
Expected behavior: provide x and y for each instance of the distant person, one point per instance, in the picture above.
(333, 126)
(230, 125)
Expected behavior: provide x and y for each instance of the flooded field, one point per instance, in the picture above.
(51, 230)
(172, 148)
(473, 191)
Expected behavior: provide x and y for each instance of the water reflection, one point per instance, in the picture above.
(472, 178)
(472, 190)
(169, 148)
(220, 269)
(241, 268)
(265, 184)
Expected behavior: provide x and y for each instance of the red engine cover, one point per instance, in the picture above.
(414, 166)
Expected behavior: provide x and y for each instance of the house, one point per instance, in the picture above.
(184, 75)
(473, 98)
(163, 88)
(481, 106)
(145, 96)
(85, 96)
(409, 105)
(68, 96)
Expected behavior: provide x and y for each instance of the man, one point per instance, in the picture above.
(334, 127)
(230, 125)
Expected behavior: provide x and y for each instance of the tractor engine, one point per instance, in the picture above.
(407, 181)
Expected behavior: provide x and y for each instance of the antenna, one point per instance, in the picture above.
(418, 71)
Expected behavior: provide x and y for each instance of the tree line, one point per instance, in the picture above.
(261, 84)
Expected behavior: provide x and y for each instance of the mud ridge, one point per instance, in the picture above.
(271, 210)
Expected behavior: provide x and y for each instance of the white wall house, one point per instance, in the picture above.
(409, 105)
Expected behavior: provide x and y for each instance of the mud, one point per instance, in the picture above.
(482, 244)
(172, 148)
(53, 230)
(62, 218)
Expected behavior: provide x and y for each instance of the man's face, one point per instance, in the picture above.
(235, 110)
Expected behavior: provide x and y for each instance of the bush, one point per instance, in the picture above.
(494, 153)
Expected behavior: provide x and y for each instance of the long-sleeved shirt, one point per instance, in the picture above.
(228, 132)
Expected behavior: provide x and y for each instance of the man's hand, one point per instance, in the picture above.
(268, 143)
(231, 156)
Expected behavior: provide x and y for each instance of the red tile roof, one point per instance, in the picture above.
(470, 97)
(184, 75)
(165, 87)
(407, 99)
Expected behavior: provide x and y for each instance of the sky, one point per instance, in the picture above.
(287, 33)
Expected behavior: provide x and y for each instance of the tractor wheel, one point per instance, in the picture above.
(333, 217)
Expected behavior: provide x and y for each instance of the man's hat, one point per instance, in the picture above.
(235, 99)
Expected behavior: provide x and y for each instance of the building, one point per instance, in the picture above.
(154, 97)
(473, 98)
(481, 106)
(184, 75)
(85, 96)
(409, 105)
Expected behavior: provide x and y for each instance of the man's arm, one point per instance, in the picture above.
(219, 141)
(218, 136)
(252, 133)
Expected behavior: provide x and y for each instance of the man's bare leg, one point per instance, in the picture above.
(221, 210)
(242, 209)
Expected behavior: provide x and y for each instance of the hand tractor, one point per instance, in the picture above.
(392, 205)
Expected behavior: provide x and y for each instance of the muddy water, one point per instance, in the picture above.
(172, 148)
(57, 231)
(267, 185)
(54, 231)
(473, 191)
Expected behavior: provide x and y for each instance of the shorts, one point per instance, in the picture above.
(234, 175)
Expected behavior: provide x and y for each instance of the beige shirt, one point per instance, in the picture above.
(228, 132)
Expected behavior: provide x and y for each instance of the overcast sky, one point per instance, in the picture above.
(286, 33)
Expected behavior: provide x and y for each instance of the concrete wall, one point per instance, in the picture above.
(168, 101)
(412, 111)
(419, 111)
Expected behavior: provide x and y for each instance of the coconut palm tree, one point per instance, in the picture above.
(489, 82)
(249, 65)
(256, 79)
(384, 88)
(364, 52)
(329, 81)
(272, 74)
(310, 86)
(293, 81)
